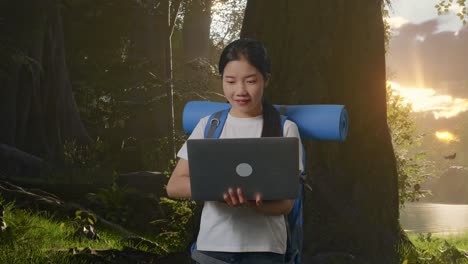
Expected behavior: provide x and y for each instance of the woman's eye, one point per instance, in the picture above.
(251, 82)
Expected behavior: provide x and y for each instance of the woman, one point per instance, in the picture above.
(239, 230)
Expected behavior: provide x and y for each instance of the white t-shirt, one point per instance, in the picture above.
(240, 229)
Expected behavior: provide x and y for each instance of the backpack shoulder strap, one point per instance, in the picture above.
(294, 220)
(215, 124)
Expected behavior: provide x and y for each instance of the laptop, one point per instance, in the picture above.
(269, 166)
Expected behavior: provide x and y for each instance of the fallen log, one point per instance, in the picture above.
(30, 199)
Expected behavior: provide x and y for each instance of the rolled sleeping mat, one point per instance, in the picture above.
(315, 122)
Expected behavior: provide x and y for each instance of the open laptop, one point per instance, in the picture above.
(269, 166)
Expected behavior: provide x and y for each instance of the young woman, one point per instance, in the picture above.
(239, 230)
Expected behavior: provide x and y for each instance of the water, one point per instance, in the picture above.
(435, 218)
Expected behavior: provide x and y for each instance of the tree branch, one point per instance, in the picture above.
(174, 13)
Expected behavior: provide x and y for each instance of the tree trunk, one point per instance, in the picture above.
(148, 29)
(38, 110)
(196, 29)
(332, 52)
(152, 40)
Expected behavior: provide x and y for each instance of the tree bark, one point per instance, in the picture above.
(147, 35)
(196, 29)
(152, 40)
(38, 110)
(332, 52)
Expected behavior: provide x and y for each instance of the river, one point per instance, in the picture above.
(435, 218)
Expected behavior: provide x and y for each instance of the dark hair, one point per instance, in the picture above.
(256, 54)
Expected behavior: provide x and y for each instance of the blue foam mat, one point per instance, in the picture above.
(315, 122)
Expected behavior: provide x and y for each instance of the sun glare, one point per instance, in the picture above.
(446, 136)
(396, 22)
(427, 100)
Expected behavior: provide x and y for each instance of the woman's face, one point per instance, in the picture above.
(243, 87)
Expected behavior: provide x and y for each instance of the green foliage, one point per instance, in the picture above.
(443, 6)
(158, 151)
(175, 233)
(85, 164)
(84, 223)
(412, 166)
(84, 156)
(113, 201)
(387, 28)
(119, 85)
(85, 218)
(435, 250)
(172, 165)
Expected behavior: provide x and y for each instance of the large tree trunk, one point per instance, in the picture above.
(38, 110)
(332, 52)
(148, 34)
(196, 29)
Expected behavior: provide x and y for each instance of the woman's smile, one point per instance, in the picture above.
(242, 102)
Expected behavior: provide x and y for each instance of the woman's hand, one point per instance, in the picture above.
(237, 198)
(276, 207)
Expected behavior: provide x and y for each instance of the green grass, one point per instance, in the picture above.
(438, 249)
(458, 240)
(35, 238)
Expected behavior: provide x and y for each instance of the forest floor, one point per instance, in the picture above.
(38, 237)
(28, 236)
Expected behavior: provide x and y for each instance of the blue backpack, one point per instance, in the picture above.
(294, 220)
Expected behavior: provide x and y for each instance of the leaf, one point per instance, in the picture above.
(93, 217)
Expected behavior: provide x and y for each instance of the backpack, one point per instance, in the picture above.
(294, 220)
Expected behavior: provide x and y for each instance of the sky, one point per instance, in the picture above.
(426, 61)
(418, 11)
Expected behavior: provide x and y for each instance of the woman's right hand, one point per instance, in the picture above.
(237, 198)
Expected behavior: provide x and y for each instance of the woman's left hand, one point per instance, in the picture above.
(237, 198)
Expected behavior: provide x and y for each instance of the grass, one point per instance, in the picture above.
(37, 237)
(430, 241)
(439, 249)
